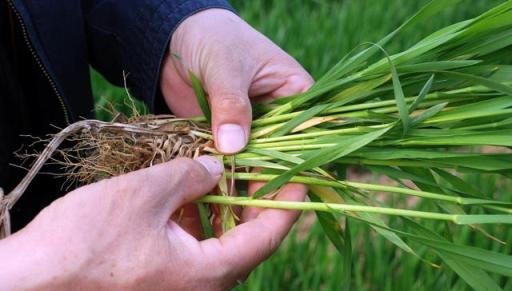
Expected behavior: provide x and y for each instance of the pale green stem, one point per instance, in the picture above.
(394, 162)
(357, 110)
(298, 147)
(356, 161)
(488, 125)
(456, 117)
(369, 187)
(498, 208)
(320, 206)
(268, 129)
(319, 133)
(344, 208)
(434, 98)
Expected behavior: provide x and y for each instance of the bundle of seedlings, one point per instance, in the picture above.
(425, 118)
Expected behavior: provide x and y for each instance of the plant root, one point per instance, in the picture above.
(105, 149)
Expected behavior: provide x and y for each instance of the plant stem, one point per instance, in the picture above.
(369, 187)
(343, 208)
(433, 98)
(320, 206)
(300, 136)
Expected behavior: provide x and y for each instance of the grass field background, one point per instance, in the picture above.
(318, 33)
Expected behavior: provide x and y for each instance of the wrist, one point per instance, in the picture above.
(26, 265)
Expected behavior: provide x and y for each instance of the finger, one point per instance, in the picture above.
(227, 86)
(177, 92)
(286, 79)
(163, 188)
(294, 84)
(231, 120)
(230, 105)
(250, 213)
(244, 247)
(187, 217)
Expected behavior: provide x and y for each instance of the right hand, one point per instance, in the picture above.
(117, 235)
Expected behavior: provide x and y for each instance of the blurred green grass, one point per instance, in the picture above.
(307, 261)
(318, 33)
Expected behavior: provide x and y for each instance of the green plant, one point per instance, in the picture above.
(452, 90)
(457, 84)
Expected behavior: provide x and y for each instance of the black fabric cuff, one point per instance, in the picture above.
(153, 32)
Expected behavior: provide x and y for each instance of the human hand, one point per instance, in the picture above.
(116, 235)
(236, 64)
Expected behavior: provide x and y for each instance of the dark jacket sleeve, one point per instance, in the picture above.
(133, 36)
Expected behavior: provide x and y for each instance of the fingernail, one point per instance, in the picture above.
(214, 166)
(231, 138)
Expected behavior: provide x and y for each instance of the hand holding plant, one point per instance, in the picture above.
(424, 117)
(236, 65)
(117, 235)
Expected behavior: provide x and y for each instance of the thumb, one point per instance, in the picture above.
(231, 114)
(164, 188)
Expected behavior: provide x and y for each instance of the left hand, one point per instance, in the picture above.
(236, 64)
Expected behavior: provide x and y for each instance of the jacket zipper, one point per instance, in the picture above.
(39, 63)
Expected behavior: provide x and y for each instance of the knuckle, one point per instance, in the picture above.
(273, 243)
(182, 163)
(188, 170)
(122, 185)
(233, 102)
